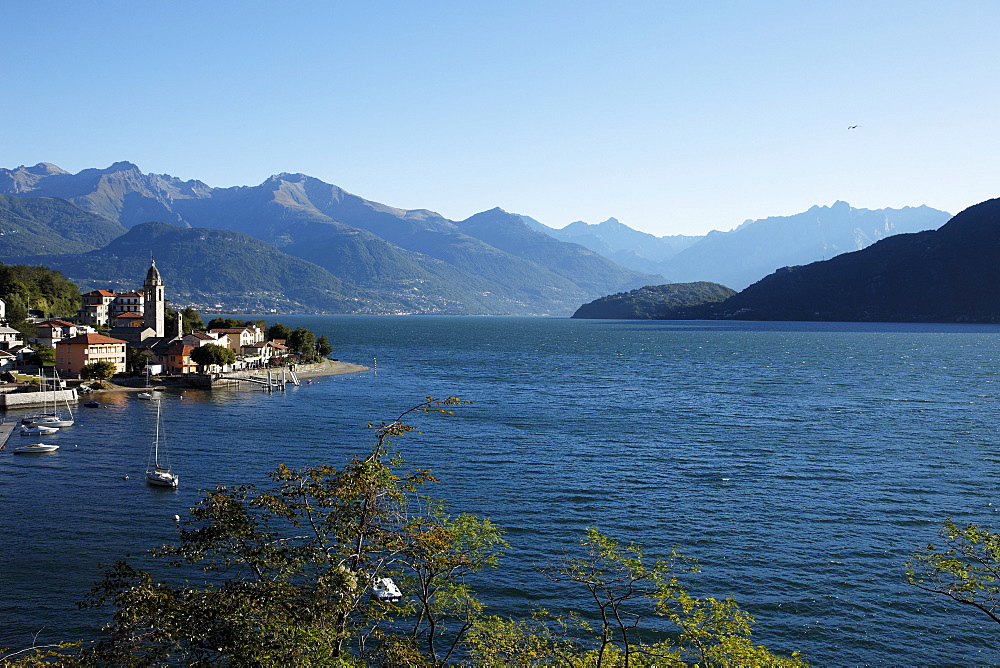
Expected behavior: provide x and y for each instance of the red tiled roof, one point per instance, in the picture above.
(128, 294)
(179, 349)
(130, 314)
(101, 293)
(88, 339)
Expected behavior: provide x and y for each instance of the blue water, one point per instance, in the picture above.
(800, 463)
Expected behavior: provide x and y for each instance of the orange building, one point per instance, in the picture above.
(74, 353)
(177, 359)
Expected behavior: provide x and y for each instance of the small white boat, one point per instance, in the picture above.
(384, 589)
(157, 470)
(37, 430)
(34, 448)
(145, 395)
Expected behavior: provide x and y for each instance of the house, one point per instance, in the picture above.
(74, 353)
(51, 332)
(9, 337)
(22, 353)
(197, 339)
(7, 360)
(177, 359)
(95, 308)
(241, 336)
(262, 354)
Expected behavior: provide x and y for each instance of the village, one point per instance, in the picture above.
(126, 335)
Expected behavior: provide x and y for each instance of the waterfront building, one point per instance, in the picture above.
(74, 353)
(239, 337)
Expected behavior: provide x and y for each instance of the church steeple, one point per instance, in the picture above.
(155, 305)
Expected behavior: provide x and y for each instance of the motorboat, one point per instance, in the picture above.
(145, 395)
(34, 448)
(157, 469)
(37, 430)
(384, 589)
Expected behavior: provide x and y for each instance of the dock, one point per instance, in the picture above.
(271, 383)
(6, 429)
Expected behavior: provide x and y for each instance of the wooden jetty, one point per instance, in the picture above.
(270, 383)
(6, 429)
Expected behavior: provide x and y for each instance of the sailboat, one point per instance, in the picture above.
(157, 469)
(53, 418)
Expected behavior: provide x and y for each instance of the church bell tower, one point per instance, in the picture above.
(154, 310)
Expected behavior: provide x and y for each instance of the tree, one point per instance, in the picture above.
(288, 568)
(212, 353)
(225, 323)
(141, 359)
(190, 321)
(323, 347)
(626, 589)
(44, 355)
(966, 569)
(100, 370)
(278, 331)
(302, 341)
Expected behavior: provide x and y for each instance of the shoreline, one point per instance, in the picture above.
(316, 370)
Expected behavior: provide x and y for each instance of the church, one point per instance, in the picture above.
(135, 317)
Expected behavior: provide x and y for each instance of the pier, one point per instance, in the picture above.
(269, 383)
(6, 429)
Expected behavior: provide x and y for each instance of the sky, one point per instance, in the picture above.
(673, 117)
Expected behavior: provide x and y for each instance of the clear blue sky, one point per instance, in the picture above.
(674, 117)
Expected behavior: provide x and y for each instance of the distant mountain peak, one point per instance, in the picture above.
(122, 166)
(44, 169)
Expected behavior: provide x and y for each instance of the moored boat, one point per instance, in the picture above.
(34, 448)
(157, 469)
(37, 430)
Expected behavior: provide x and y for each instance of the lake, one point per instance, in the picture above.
(801, 463)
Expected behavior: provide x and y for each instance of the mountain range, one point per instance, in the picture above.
(946, 275)
(372, 257)
(753, 250)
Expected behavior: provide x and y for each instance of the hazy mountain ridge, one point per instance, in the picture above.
(754, 249)
(945, 275)
(409, 256)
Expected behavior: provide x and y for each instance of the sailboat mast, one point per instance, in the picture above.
(156, 439)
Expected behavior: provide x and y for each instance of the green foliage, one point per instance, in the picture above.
(140, 360)
(966, 569)
(37, 288)
(323, 346)
(626, 589)
(302, 341)
(190, 321)
(226, 323)
(100, 370)
(212, 353)
(654, 301)
(17, 316)
(287, 569)
(44, 355)
(278, 331)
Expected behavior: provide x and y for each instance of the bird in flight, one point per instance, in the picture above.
(851, 127)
